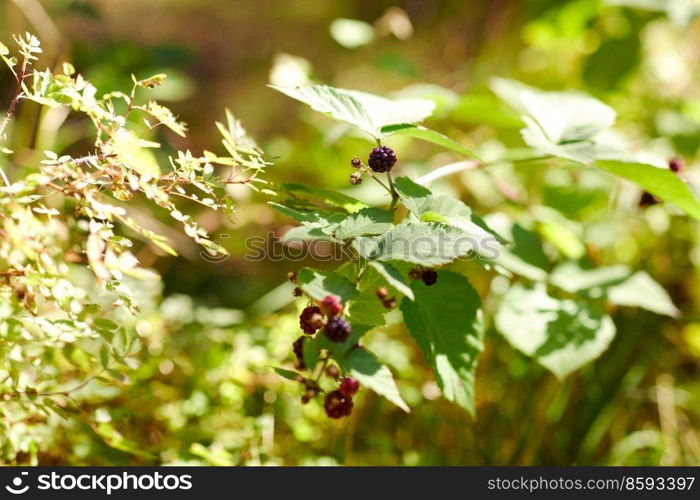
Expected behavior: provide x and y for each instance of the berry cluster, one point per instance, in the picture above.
(427, 276)
(380, 160)
(325, 315)
(675, 165)
(338, 403)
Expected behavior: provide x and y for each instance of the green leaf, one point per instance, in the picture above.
(368, 112)
(563, 124)
(446, 321)
(524, 255)
(288, 374)
(423, 133)
(393, 277)
(317, 284)
(327, 196)
(367, 309)
(372, 374)
(429, 244)
(429, 207)
(640, 290)
(562, 237)
(618, 284)
(310, 218)
(561, 334)
(366, 222)
(660, 182)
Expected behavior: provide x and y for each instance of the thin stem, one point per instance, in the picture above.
(394, 194)
(380, 182)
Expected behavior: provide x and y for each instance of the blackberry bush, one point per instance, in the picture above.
(412, 249)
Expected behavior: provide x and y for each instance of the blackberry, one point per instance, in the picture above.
(330, 305)
(389, 303)
(381, 159)
(355, 178)
(356, 162)
(332, 371)
(382, 293)
(298, 348)
(647, 199)
(337, 405)
(311, 319)
(416, 273)
(676, 164)
(337, 329)
(429, 277)
(297, 292)
(349, 387)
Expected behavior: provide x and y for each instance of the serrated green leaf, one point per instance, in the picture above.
(310, 218)
(618, 284)
(563, 124)
(368, 112)
(372, 374)
(446, 321)
(429, 244)
(423, 133)
(523, 254)
(660, 182)
(317, 284)
(429, 207)
(366, 222)
(327, 196)
(561, 334)
(393, 277)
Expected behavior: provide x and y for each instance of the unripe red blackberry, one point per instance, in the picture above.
(297, 292)
(676, 164)
(381, 159)
(349, 387)
(337, 405)
(647, 200)
(310, 319)
(382, 293)
(356, 162)
(298, 348)
(337, 329)
(429, 277)
(330, 305)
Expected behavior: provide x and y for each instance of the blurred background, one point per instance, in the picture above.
(205, 393)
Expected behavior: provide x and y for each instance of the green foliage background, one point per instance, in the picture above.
(204, 392)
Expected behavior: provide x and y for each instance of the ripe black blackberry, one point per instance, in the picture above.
(429, 277)
(337, 329)
(647, 200)
(337, 405)
(311, 319)
(381, 159)
(298, 348)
